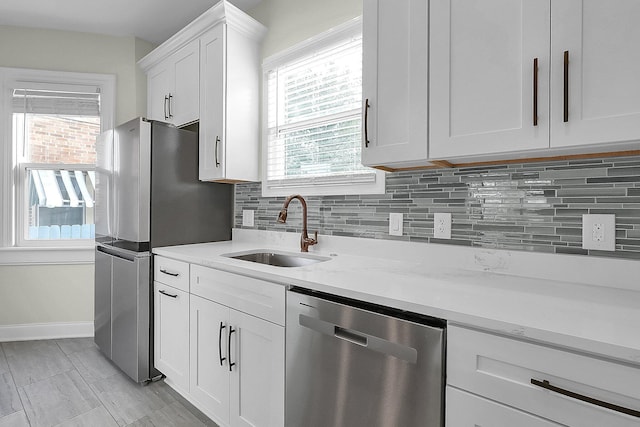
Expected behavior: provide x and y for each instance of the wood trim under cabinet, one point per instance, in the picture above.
(441, 164)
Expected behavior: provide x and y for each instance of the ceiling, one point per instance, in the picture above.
(151, 20)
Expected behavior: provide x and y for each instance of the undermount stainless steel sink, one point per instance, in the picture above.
(278, 259)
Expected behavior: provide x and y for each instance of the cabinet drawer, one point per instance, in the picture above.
(252, 296)
(171, 272)
(502, 369)
(468, 410)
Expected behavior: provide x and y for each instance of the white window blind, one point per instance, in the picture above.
(60, 102)
(314, 117)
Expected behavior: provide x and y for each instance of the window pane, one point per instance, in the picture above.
(328, 149)
(54, 134)
(59, 204)
(314, 115)
(57, 139)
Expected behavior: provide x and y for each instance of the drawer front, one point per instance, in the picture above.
(171, 272)
(259, 298)
(502, 369)
(468, 410)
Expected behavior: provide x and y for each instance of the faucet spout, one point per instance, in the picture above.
(305, 240)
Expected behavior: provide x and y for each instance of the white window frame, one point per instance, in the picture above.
(13, 248)
(373, 183)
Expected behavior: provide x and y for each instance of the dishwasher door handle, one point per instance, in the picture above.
(371, 342)
(351, 336)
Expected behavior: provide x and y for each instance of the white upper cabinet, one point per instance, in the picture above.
(533, 76)
(212, 127)
(230, 101)
(602, 42)
(172, 87)
(394, 83)
(191, 77)
(484, 90)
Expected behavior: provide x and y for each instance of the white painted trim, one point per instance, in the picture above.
(49, 255)
(45, 331)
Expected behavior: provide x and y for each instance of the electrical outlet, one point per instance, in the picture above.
(247, 218)
(599, 232)
(395, 224)
(442, 225)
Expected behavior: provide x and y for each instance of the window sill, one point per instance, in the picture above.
(52, 255)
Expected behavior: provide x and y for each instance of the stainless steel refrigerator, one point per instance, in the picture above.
(147, 195)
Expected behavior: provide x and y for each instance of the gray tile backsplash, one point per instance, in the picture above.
(528, 207)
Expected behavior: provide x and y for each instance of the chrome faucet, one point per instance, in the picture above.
(305, 240)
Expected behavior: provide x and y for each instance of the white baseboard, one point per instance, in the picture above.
(45, 331)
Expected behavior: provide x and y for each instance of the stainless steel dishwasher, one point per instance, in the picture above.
(352, 364)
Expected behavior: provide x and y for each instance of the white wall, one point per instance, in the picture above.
(81, 52)
(63, 294)
(292, 21)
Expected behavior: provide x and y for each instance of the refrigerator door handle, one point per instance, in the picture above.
(114, 253)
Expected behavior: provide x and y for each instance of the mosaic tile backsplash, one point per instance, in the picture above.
(528, 207)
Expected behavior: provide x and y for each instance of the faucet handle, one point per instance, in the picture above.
(308, 241)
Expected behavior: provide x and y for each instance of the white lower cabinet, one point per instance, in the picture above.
(468, 410)
(509, 377)
(257, 374)
(171, 334)
(216, 346)
(209, 382)
(237, 365)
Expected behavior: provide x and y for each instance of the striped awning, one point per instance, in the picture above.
(60, 187)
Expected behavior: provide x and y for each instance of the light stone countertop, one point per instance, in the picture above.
(591, 304)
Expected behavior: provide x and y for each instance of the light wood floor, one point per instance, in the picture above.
(69, 383)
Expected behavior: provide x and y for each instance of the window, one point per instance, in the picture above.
(52, 121)
(313, 98)
(54, 132)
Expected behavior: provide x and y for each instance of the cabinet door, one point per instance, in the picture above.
(394, 81)
(209, 384)
(257, 380)
(212, 102)
(482, 78)
(601, 40)
(184, 105)
(468, 410)
(158, 87)
(171, 334)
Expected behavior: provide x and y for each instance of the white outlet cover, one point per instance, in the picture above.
(599, 232)
(248, 217)
(442, 225)
(395, 224)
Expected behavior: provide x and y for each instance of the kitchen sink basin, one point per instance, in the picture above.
(278, 259)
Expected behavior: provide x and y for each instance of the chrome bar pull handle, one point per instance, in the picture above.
(366, 123)
(231, 364)
(566, 87)
(222, 359)
(535, 91)
(170, 98)
(216, 150)
(547, 386)
(168, 294)
(166, 98)
(162, 270)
